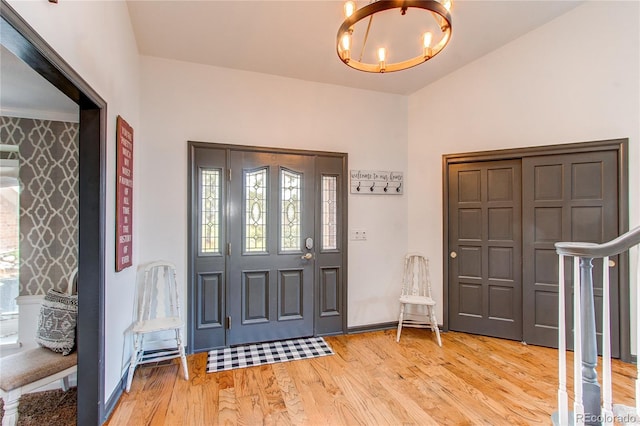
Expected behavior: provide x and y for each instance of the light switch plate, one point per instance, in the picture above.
(358, 235)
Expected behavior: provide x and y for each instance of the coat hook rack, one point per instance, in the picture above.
(378, 182)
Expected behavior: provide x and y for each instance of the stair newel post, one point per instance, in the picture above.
(590, 386)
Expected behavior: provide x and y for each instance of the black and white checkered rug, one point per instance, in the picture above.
(266, 353)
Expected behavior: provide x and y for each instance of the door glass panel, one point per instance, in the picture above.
(255, 214)
(290, 187)
(210, 211)
(329, 213)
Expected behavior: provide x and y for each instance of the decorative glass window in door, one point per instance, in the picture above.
(210, 211)
(329, 213)
(255, 214)
(290, 222)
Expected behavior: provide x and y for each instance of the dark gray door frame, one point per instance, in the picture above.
(621, 146)
(192, 221)
(22, 40)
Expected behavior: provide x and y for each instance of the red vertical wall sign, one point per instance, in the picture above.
(124, 194)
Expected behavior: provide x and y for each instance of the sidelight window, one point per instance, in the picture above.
(210, 211)
(329, 213)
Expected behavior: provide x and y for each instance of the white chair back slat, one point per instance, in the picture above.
(416, 280)
(158, 293)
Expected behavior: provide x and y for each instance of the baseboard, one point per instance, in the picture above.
(114, 398)
(373, 327)
(379, 327)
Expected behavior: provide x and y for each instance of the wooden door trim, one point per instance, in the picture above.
(621, 146)
(344, 214)
(249, 148)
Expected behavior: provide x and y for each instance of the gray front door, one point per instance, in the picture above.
(485, 290)
(267, 244)
(572, 197)
(271, 252)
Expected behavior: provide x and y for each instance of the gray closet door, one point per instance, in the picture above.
(485, 292)
(572, 197)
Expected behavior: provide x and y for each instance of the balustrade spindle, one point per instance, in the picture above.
(563, 397)
(638, 330)
(578, 407)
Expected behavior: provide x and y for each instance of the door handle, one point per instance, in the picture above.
(612, 263)
(307, 256)
(453, 254)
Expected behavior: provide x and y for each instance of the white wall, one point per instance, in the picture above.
(183, 101)
(575, 79)
(97, 41)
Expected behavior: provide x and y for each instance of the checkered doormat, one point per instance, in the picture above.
(266, 353)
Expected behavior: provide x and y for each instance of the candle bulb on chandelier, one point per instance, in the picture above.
(426, 39)
(349, 8)
(346, 47)
(382, 56)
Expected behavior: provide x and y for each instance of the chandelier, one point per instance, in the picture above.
(431, 18)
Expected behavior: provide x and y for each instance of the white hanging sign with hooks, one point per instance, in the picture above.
(376, 182)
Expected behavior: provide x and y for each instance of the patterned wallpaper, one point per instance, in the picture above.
(48, 154)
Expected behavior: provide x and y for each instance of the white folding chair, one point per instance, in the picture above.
(158, 310)
(416, 293)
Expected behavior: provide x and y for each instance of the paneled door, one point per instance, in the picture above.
(571, 197)
(485, 290)
(271, 254)
(267, 247)
(505, 217)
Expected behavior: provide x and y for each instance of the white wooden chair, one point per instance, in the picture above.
(416, 293)
(158, 310)
(28, 370)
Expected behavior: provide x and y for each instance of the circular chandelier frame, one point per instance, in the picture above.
(380, 6)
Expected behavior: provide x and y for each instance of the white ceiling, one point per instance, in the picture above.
(288, 38)
(25, 93)
(297, 38)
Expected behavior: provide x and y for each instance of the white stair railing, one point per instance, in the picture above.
(591, 406)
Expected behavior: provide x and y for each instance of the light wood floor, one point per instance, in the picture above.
(371, 380)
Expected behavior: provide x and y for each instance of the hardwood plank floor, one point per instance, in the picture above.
(371, 380)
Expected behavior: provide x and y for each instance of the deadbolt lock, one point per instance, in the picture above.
(453, 254)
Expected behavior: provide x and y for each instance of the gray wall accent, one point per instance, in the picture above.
(48, 154)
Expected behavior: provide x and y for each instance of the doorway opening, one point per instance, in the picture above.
(22, 41)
